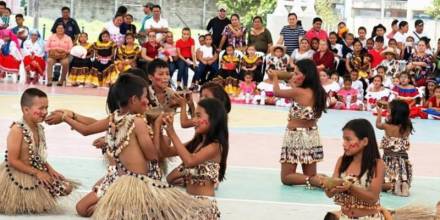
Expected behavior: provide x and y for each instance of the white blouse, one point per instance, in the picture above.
(30, 47)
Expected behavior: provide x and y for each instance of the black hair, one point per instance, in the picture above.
(219, 93)
(129, 15)
(129, 34)
(65, 8)
(379, 39)
(257, 18)
(342, 23)
(427, 94)
(311, 80)
(28, 96)
(19, 16)
(333, 33)
(59, 24)
(154, 65)
(235, 15)
(378, 76)
(102, 33)
(202, 36)
(218, 132)
(138, 72)
(402, 24)
(362, 28)
(317, 19)
(394, 22)
(122, 10)
(2, 3)
(392, 39)
(112, 104)
(156, 6)
(126, 86)
(292, 14)
(381, 67)
(347, 79)
(373, 33)
(186, 29)
(362, 128)
(399, 115)
(118, 15)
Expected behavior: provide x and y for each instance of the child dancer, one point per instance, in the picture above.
(204, 157)
(33, 52)
(131, 189)
(302, 144)
(358, 174)
(126, 57)
(81, 63)
(396, 144)
(10, 56)
(28, 183)
(104, 50)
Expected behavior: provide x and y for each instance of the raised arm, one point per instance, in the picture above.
(379, 124)
(281, 93)
(87, 129)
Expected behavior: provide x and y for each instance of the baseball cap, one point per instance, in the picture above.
(149, 4)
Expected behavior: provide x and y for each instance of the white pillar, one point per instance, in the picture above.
(349, 13)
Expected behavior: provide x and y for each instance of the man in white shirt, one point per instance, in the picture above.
(157, 24)
(418, 32)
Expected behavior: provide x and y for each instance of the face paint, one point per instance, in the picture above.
(352, 146)
(299, 79)
(203, 122)
(144, 103)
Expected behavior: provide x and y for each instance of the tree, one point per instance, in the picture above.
(247, 9)
(434, 9)
(325, 11)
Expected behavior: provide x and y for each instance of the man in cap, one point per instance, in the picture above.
(216, 26)
(148, 14)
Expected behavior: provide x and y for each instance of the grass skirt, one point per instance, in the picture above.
(398, 172)
(28, 196)
(301, 146)
(377, 216)
(141, 197)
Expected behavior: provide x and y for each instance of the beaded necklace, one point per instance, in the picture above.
(36, 160)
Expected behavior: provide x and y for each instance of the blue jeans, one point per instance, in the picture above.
(182, 73)
(200, 74)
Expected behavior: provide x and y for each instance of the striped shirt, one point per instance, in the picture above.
(291, 37)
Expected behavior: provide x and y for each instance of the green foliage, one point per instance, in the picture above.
(434, 9)
(247, 9)
(325, 11)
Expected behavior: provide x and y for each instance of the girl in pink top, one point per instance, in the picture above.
(347, 97)
(247, 89)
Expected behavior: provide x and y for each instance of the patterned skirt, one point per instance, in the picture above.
(377, 216)
(21, 193)
(301, 146)
(79, 70)
(398, 171)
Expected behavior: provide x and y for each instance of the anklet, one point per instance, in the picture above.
(308, 185)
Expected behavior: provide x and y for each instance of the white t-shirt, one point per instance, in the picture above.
(298, 56)
(115, 33)
(400, 38)
(334, 87)
(417, 36)
(151, 23)
(373, 97)
(207, 52)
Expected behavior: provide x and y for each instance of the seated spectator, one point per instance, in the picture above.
(278, 59)
(104, 50)
(58, 47)
(348, 97)
(229, 63)
(113, 28)
(20, 30)
(336, 78)
(81, 61)
(131, 28)
(331, 88)
(392, 45)
(357, 84)
(420, 64)
(370, 44)
(5, 18)
(376, 52)
(208, 60)
(267, 97)
(251, 63)
(359, 61)
(126, 56)
(335, 47)
(431, 84)
(405, 90)
(409, 49)
(303, 52)
(33, 52)
(170, 52)
(10, 56)
(434, 100)
(314, 44)
(376, 92)
(316, 31)
(150, 50)
(390, 66)
(70, 25)
(324, 58)
(247, 89)
(187, 58)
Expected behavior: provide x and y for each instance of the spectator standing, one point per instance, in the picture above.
(157, 24)
(70, 25)
(291, 34)
(217, 25)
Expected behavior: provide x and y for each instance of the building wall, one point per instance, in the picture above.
(190, 11)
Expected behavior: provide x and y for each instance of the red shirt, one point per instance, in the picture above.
(377, 58)
(433, 101)
(327, 59)
(321, 34)
(152, 51)
(185, 47)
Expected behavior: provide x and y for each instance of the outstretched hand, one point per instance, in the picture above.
(55, 117)
(99, 143)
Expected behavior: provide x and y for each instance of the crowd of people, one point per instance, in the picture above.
(307, 71)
